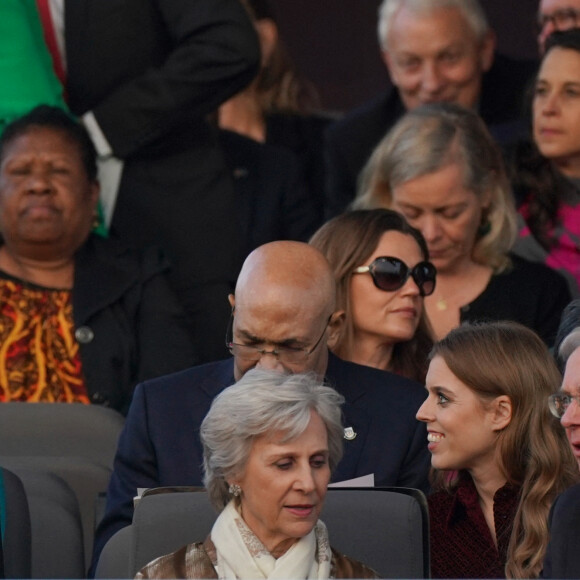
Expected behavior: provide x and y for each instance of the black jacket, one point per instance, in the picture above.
(128, 322)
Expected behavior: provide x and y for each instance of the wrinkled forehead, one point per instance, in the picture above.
(275, 303)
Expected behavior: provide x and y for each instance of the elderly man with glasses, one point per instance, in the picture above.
(565, 404)
(556, 15)
(562, 555)
(283, 318)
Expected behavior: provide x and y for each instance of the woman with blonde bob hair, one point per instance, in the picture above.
(499, 456)
(384, 323)
(441, 169)
(270, 443)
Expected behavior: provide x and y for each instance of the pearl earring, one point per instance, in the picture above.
(235, 489)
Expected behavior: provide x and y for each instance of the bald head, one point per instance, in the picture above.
(274, 269)
(285, 297)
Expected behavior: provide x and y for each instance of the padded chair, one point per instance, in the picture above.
(386, 528)
(59, 430)
(76, 442)
(114, 559)
(86, 479)
(15, 526)
(57, 536)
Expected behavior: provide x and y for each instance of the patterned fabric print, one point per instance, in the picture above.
(322, 542)
(255, 547)
(39, 356)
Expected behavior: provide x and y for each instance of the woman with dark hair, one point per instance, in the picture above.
(499, 456)
(440, 168)
(82, 319)
(547, 170)
(384, 324)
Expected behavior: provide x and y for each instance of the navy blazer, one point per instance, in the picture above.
(160, 443)
(128, 322)
(562, 558)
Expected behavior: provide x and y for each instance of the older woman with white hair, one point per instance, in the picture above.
(270, 443)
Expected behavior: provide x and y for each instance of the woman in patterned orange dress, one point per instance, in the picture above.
(81, 319)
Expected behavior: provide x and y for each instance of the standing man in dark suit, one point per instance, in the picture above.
(283, 316)
(143, 74)
(435, 51)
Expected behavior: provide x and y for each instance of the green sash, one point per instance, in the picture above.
(27, 78)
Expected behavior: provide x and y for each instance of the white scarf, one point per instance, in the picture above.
(241, 555)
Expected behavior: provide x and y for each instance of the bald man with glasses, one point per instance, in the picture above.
(283, 318)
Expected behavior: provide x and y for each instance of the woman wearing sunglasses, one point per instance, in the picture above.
(382, 271)
(442, 170)
(499, 457)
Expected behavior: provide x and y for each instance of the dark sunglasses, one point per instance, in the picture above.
(390, 274)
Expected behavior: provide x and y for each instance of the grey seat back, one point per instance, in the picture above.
(15, 514)
(114, 559)
(184, 517)
(57, 535)
(86, 479)
(386, 529)
(60, 429)
(76, 442)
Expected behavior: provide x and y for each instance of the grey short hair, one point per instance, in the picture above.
(568, 335)
(470, 9)
(263, 401)
(428, 139)
(569, 345)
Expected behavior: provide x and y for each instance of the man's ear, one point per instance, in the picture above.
(487, 50)
(335, 328)
(501, 412)
(232, 301)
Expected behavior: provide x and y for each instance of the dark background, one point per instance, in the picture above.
(334, 43)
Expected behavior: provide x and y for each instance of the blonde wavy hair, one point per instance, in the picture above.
(429, 138)
(506, 358)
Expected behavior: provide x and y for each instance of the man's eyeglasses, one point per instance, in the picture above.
(560, 402)
(285, 354)
(390, 274)
(562, 19)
